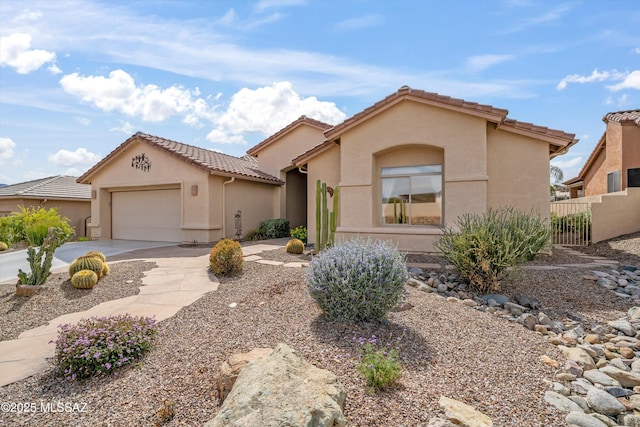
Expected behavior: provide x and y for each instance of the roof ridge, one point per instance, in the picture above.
(42, 181)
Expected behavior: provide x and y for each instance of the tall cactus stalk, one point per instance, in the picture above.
(326, 222)
(318, 214)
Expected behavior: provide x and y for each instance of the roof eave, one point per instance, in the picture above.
(314, 152)
(86, 177)
(253, 151)
(244, 177)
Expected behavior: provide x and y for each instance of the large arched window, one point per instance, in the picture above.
(412, 194)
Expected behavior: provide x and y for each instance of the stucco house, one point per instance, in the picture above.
(614, 164)
(72, 199)
(432, 156)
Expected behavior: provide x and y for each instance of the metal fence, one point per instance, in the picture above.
(571, 223)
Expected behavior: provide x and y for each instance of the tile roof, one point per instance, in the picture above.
(623, 116)
(405, 92)
(301, 120)
(53, 187)
(212, 161)
(560, 139)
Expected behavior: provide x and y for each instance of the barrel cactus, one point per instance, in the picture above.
(84, 279)
(97, 254)
(86, 263)
(105, 269)
(3, 246)
(295, 246)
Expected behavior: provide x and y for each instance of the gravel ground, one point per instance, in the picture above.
(58, 297)
(447, 349)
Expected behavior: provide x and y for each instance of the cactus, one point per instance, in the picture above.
(86, 263)
(295, 246)
(97, 254)
(40, 261)
(3, 246)
(402, 218)
(326, 222)
(84, 279)
(105, 269)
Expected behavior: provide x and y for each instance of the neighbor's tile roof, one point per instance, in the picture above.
(540, 130)
(623, 116)
(53, 187)
(293, 125)
(212, 161)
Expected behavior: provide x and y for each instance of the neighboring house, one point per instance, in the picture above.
(428, 156)
(614, 164)
(72, 200)
(151, 188)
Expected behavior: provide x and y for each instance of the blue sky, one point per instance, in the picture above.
(77, 78)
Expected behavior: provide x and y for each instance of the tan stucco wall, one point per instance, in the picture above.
(630, 150)
(257, 202)
(166, 172)
(461, 140)
(275, 158)
(324, 167)
(76, 211)
(595, 179)
(518, 169)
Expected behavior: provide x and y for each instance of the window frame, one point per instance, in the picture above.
(428, 170)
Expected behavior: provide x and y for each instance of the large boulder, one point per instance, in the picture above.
(230, 369)
(282, 389)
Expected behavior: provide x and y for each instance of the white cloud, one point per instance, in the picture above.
(268, 109)
(6, 149)
(596, 76)
(119, 92)
(359, 23)
(72, 158)
(637, 50)
(126, 128)
(570, 163)
(631, 81)
(551, 16)
(481, 62)
(82, 120)
(16, 52)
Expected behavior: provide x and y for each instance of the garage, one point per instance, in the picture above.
(152, 215)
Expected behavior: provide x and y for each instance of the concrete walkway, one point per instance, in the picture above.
(176, 282)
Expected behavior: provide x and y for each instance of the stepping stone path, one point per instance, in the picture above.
(599, 384)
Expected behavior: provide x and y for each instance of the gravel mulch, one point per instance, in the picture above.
(447, 349)
(58, 297)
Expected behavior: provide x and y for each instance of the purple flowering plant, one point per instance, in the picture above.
(99, 345)
(357, 280)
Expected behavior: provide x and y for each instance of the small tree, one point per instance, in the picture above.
(557, 177)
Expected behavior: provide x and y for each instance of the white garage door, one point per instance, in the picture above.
(146, 215)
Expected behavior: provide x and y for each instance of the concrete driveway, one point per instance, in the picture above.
(10, 262)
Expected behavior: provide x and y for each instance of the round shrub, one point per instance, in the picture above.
(226, 257)
(99, 345)
(86, 263)
(357, 280)
(84, 279)
(295, 246)
(3, 246)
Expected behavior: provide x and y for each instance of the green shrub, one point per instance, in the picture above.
(579, 223)
(256, 234)
(357, 280)
(486, 245)
(380, 367)
(40, 260)
(225, 257)
(99, 345)
(275, 228)
(300, 233)
(31, 225)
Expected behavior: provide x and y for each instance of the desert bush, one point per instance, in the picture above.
(358, 280)
(226, 257)
(31, 225)
(256, 234)
(100, 345)
(483, 247)
(300, 233)
(380, 367)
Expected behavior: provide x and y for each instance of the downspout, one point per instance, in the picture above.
(306, 172)
(224, 207)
